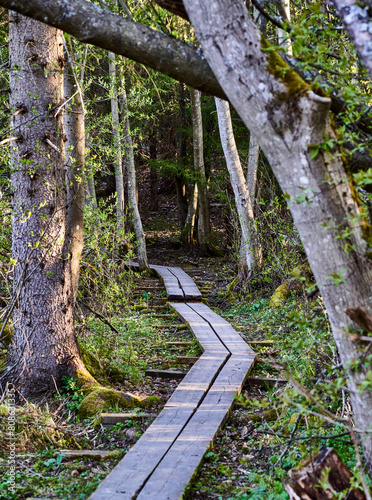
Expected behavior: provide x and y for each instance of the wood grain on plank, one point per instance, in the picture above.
(190, 290)
(128, 477)
(174, 472)
(227, 334)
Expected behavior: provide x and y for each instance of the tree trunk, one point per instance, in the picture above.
(285, 11)
(188, 231)
(154, 200)
(238, 183)
(119, 180)
(204, 223)
(44, 347)
(287, 117)
(253, 157)
(181, 155)
(75, 176)
(132, 190)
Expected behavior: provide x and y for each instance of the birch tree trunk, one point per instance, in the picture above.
(75, 175)
(119, 180)
(44, 347)
(238, 183)
(204, 223)
(90, 198)
(287, 117)
(132, 189)
(285, 11)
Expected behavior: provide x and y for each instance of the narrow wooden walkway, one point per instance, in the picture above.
(162, 462)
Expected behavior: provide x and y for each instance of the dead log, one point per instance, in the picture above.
(304, 483)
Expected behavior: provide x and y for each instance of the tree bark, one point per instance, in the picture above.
(357, 19)
(181, 155)
(188, 231)
(132, 190)
(287, 117)
(119, 179)
(90, 24)
(75, 175)
(44, 347)
(238, 183)
(204, 223)
(154, 184)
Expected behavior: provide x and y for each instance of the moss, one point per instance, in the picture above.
(103, 399)
(7, 335)
(281, 71)
(91, 362)
(85, 381)
(280, 295)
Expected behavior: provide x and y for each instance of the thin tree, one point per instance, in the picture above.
(204, 222)
(75, 164)
(119, 180)
(132, 186)
(242, 196)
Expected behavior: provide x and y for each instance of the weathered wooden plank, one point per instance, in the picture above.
(94, 454)
(172, 286)
(201, 329)
(167, 374)
(128, 477)
(179, 464)
(116, 418)
(187, 359)
(190, 290)
(230, 337)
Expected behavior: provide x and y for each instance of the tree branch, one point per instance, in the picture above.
(90, 24)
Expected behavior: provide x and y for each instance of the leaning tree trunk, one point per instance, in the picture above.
(287, 117)
(238, 183)
(204, 223)
(119, 180)
(132, 190)
(75, 175)
(44, 347)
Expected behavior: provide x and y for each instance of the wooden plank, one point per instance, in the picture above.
(187, 359)
(174, 472)
(128, 477)
(200, 328)
(116, 418)
(190, 290)
(183, 343)
(94, 454)
(172, 286)
(167, 374)
(230, 337)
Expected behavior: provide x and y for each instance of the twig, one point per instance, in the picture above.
(61, 106)
(100, 316)
(52, 146)
(9, 139)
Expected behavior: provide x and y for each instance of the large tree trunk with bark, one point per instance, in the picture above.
(238, 183)
(44, 346)
(75, 174)
(132, 189)
(188, 230)
(204, 222)
(119, 180)
(287, 117)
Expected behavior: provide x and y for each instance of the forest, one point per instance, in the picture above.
(185, 249)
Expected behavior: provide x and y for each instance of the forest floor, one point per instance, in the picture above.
(252, 453)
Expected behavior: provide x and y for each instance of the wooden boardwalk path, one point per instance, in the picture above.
(162, 462)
